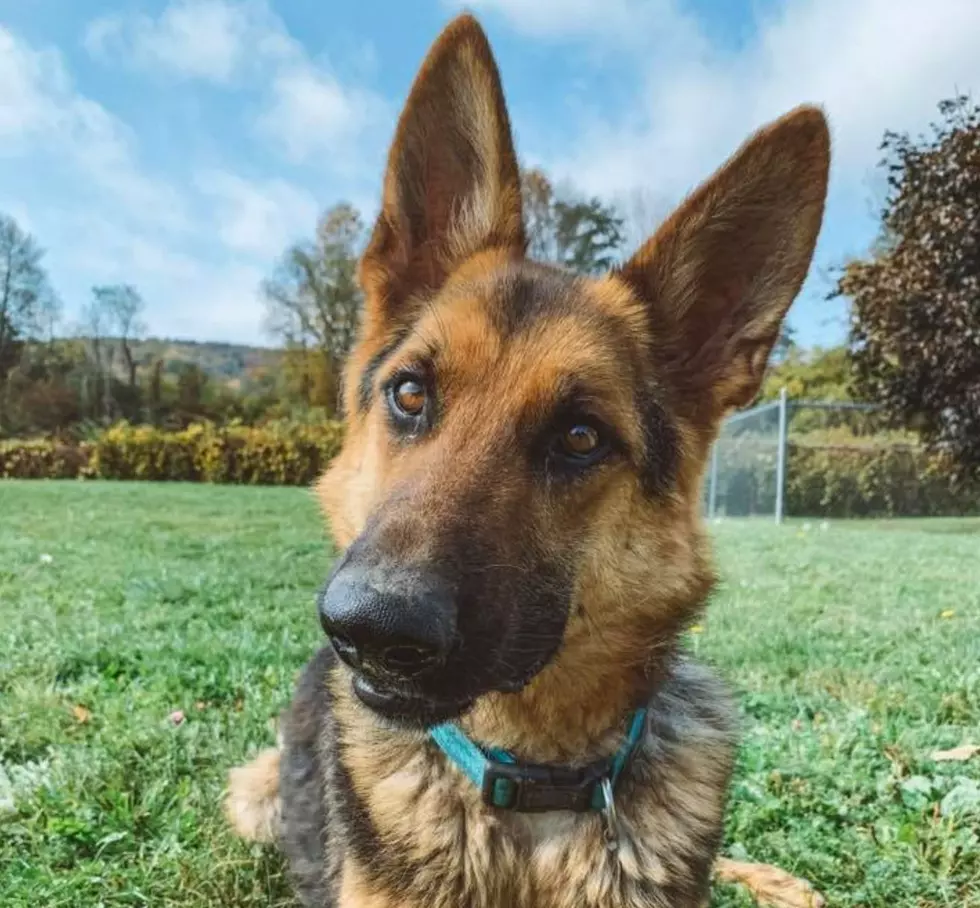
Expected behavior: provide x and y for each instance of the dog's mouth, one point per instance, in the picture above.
(406, 707)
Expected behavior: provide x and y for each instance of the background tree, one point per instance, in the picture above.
(123, 307)
(97, 384)
(585, 235)
(192, 384)
(27, 302)
(915, 322)
(313, 301)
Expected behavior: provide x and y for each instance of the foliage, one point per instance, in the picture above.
(816, 374)
(313, 302)
(136, 600)
(270, 455)
(28, 305)
(275, 454)
(44, 458)
(846, 481)
(833, 474)
(916, 302)
(123, 307)
(585, 235)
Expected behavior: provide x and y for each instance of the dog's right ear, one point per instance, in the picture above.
(723, 269)
(452, 186)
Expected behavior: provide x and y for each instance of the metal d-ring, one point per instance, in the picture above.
(610, 825)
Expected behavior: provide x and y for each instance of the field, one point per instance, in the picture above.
(150, 633)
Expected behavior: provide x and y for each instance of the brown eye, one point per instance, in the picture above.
(409, 397)
(580, 441)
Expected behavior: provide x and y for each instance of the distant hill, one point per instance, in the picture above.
(233, 365)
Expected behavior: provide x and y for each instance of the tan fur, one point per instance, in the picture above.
(690, 319)
(529, 861)
(252, 801)
(769, 885)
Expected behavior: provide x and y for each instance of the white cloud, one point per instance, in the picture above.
(629, 21)
(305, 111)
(212, 40)
(197, 250)
(258, 218)
(41, 114)
(311, 115)
(873, 65)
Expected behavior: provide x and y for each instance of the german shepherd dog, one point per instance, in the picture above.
(518, 503)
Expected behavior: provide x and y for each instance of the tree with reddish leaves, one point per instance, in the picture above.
(915, 318)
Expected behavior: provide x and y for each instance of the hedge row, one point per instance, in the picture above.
(272, 455)
(842, 481)
(824, 480)
(897, 481)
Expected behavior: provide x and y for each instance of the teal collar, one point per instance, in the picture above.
(532, 788)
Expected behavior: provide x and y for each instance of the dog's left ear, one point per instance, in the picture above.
(720, 274)
(452, 186)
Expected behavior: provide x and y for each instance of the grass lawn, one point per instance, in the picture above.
(855, 650)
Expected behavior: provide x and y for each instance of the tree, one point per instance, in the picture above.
(192, 382)
(27, 302)
(785, 343)
(313, 301)
(584, 235)
(915, 318)
(97, 386)
(123, 307)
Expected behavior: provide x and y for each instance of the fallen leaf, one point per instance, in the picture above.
(697, 629)
(957, 755)
(81, 713)
(947, 613)
(769, 885)
(177, 716)
(200, 705)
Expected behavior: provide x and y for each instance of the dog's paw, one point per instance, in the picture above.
(769, 885)
(252, 800)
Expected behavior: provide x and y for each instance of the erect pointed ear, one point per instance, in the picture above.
(722, 271)
(452, 186)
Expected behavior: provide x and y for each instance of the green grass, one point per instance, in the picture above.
(136, 600)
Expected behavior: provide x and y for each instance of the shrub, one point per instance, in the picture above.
(826, 475)
(862, 481)
(43, 459)
(276, 454)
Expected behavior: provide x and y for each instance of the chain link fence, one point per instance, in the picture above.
(806, 458)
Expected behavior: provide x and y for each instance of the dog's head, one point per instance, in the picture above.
(519, 490)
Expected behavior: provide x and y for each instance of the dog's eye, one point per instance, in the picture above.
(580, 441)
(579, 445)
(408, 396)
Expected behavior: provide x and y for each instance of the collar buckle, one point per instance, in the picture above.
(530, 788)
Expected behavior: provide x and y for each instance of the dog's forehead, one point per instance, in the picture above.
(532, 322)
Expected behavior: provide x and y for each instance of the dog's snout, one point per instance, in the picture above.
(392, 625)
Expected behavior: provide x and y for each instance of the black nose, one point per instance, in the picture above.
(388, 623)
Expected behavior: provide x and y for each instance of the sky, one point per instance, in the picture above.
(181, 145)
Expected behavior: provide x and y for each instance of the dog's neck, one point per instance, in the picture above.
(563, 717)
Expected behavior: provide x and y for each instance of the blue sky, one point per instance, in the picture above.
(181, 144)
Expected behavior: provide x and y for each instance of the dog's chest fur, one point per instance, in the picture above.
(396, 827)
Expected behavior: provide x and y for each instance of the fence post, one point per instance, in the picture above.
(713, 481)
(781, 455)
